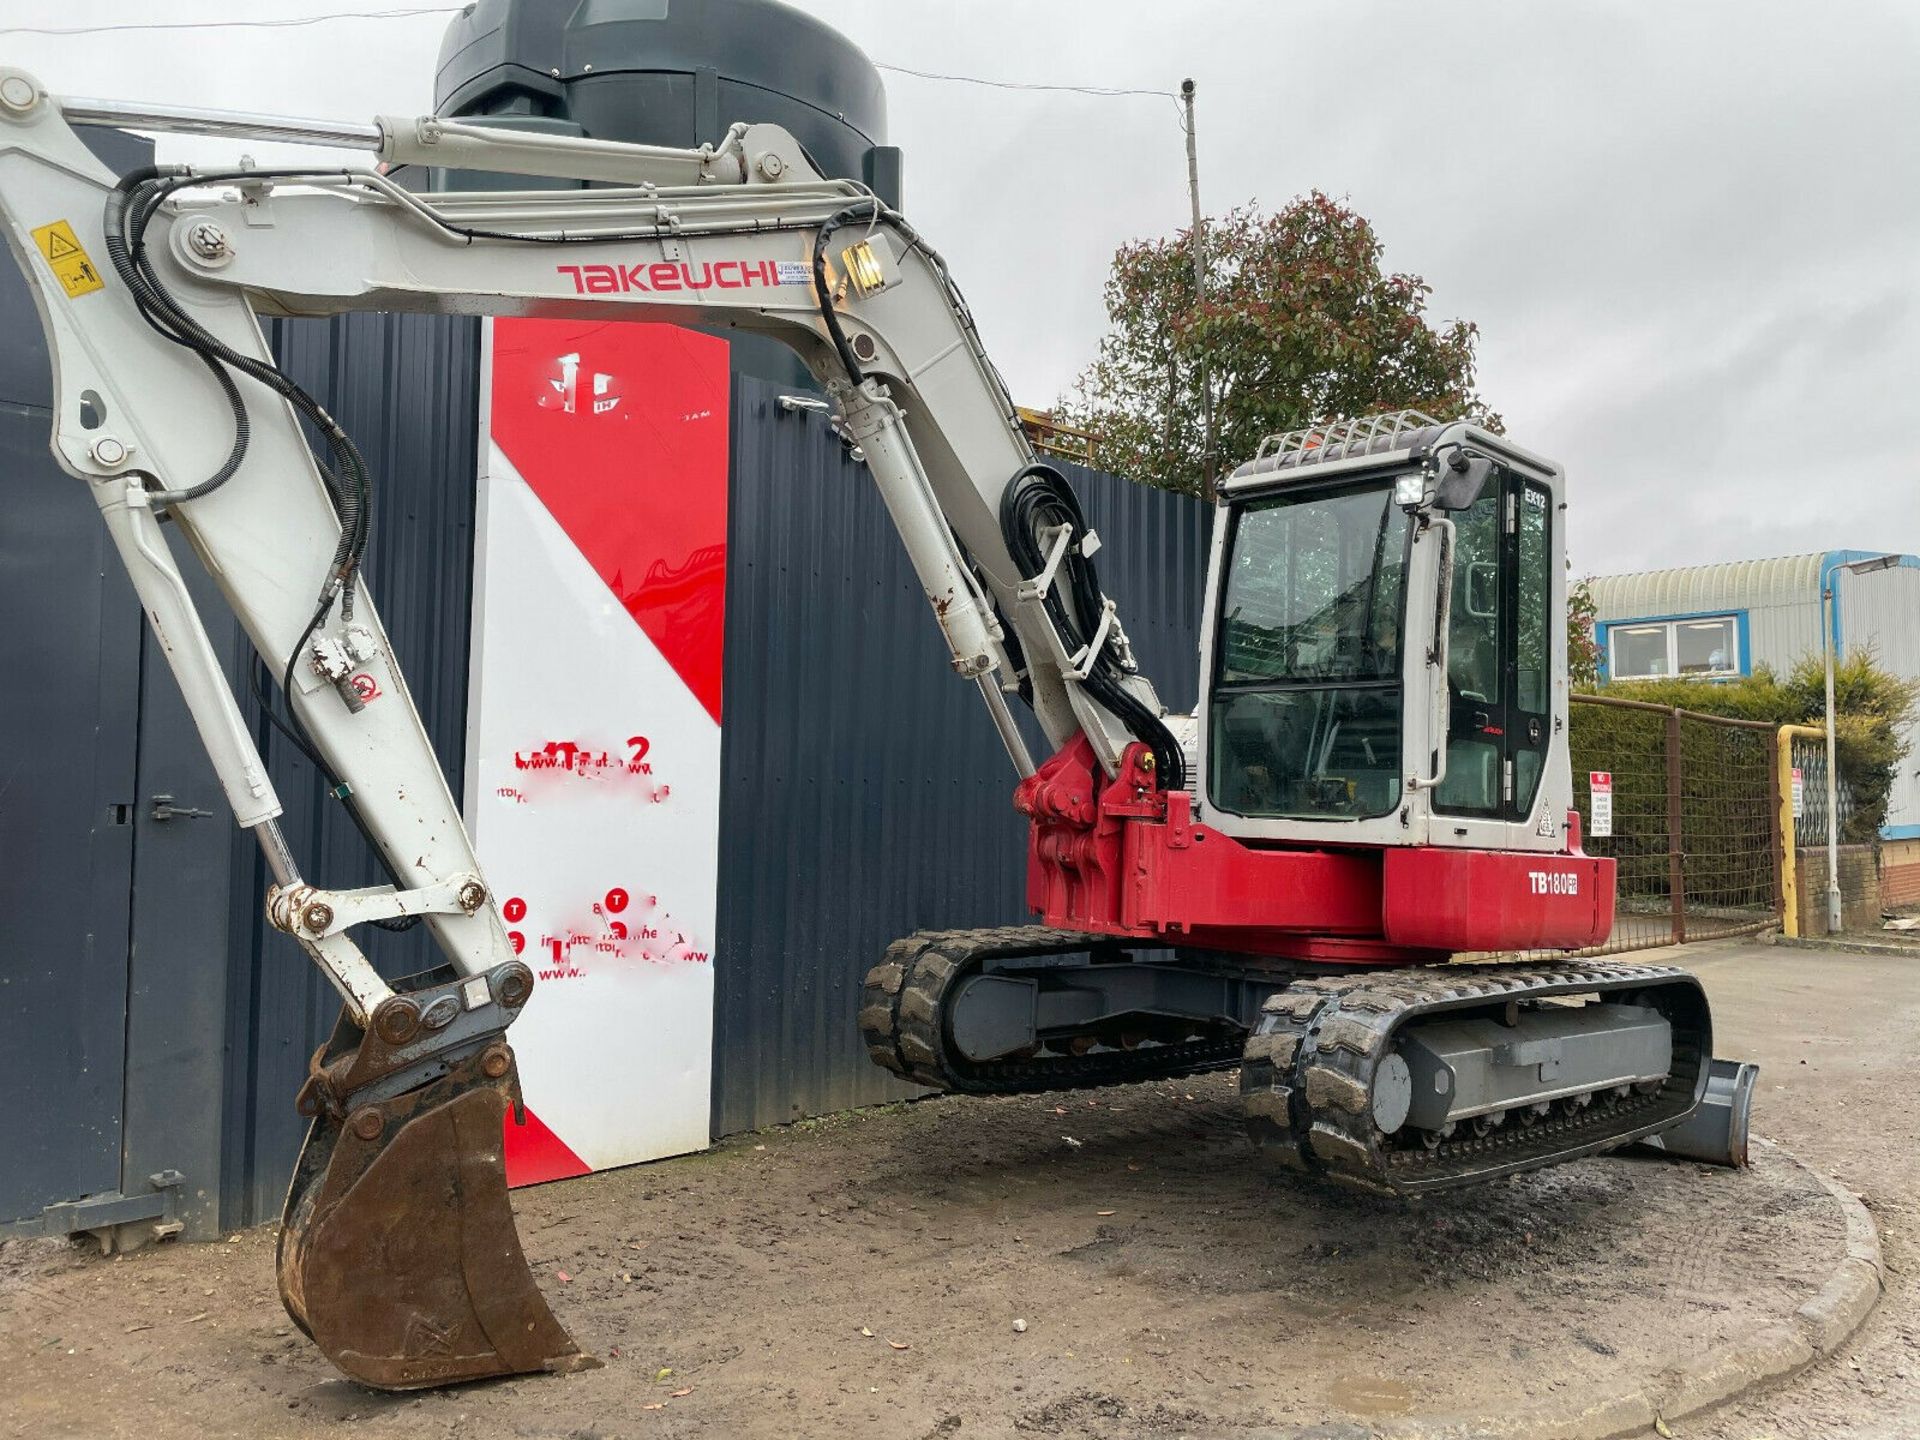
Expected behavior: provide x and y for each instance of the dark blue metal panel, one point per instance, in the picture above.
(71, 651)
(864, 793)
(406, 387)
(183, 876)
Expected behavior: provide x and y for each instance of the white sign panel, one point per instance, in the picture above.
(1799, 792)
(1600, 789)
(594, 725)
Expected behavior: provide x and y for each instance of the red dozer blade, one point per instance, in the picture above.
(398, 1255)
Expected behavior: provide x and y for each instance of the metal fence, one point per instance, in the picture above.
(1810, 814)
(1696, 819)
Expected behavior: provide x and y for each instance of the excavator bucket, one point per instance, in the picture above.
(398, 1255)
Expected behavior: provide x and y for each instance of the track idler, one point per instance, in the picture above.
(398, 1256)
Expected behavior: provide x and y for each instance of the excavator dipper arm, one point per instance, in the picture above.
(745, 235)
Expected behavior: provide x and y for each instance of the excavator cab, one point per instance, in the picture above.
(1384, 653)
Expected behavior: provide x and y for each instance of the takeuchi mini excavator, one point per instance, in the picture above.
(1375, 780)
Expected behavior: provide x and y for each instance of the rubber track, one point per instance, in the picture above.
(1308, 1076)
(902, 1020)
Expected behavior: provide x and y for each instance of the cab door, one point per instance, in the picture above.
(1499, 653)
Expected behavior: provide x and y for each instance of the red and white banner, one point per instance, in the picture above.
(593, 744)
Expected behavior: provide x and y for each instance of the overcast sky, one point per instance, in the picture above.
(1689, 232)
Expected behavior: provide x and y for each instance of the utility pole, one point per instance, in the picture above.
(1207, 490)
(1828, 623)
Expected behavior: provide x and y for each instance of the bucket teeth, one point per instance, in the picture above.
(398, 1254)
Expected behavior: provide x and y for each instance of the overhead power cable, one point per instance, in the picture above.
(288, 23)
(408, 12)
(1102, 90)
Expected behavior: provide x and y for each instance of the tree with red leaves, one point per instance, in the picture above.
(1299, 325)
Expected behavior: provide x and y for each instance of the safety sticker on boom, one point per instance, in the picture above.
(68, 259)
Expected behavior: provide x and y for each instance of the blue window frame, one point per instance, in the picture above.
(1703, 645)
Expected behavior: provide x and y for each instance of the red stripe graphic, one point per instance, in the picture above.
(536, 1155)
(619, 428)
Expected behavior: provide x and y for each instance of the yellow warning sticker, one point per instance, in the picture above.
(68, 259)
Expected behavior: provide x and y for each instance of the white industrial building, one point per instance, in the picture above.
(1710, 621)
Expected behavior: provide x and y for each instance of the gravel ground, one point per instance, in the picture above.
(1169, 1282)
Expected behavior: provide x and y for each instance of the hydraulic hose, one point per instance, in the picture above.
(868, 210)
(1037, 497)
(129, 209)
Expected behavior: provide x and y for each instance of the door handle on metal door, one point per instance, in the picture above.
(165, 809)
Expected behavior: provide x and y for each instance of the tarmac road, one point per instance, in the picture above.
(1838, 1040)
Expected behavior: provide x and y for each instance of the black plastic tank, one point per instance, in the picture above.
(669, 72)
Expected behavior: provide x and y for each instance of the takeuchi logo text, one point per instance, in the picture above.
(662, 276)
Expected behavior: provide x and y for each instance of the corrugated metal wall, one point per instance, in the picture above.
(864, 796)
(1882, 609)
(406, 387)
(864, 792)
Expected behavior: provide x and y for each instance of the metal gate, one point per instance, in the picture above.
(96, 1055)
(1696, 815)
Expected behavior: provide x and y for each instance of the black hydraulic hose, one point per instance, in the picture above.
(130, 207)
(870, 211)
(349, 489)
(1016, 655)
(144, 191)
(1038, 496)
(113, 225)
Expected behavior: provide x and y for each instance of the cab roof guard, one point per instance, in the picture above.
(1343, 439)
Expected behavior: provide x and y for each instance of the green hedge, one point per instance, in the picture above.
(1872, 706)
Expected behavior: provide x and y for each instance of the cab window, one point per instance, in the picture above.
(1305, 715)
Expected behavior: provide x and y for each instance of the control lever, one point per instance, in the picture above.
(165, 809)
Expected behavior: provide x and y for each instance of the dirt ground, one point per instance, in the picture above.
(1170, 1283)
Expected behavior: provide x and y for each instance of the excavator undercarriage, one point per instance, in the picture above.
(1398, 1080)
